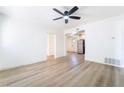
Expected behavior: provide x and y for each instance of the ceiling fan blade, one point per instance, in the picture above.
(75, 17)
(66, 21)
(74, 9)
(58, 11)
(57, 18)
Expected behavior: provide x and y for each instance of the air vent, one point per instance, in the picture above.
(111, 61)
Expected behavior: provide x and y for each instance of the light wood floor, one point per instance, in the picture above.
(69, 71)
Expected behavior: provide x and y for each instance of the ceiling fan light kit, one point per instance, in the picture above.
(67, 14)
(66, 17)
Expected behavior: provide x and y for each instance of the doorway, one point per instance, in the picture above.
(75, 42)
(51, 46)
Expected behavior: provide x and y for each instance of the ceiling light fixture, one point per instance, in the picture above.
(66, 17)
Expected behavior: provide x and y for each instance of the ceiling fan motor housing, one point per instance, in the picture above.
(66, 13)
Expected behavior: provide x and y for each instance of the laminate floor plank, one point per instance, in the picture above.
(69, 71)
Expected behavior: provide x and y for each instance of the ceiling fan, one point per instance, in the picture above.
(67, 14)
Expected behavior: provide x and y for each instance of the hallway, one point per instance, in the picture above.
(67, 71)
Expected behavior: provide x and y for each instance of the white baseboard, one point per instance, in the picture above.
(105, 63)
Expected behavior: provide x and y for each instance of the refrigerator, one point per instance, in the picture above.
(81, 46)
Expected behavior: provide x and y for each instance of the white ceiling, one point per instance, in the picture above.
(44, 14)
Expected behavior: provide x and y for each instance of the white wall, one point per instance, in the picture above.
(0, 38)
(55, 44)
(2, 18)
(51, 44)
(23, 35)
(70, 45)
(123, 42)
(99, 42)
(22, 43)
(60, 45)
